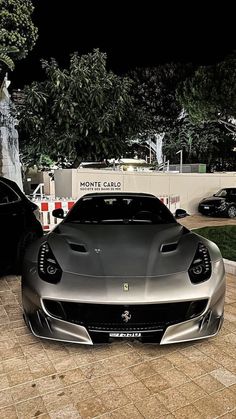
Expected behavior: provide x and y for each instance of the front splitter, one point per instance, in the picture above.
(47, 327)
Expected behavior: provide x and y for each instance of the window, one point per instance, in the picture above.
(7, 195)
(222, 193)
(120, 210)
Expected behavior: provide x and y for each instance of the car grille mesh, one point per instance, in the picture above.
(106, 317)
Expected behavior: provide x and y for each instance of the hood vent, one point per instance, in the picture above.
(169, 247)
(78, 248)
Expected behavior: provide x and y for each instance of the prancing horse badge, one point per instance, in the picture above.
(125, 286)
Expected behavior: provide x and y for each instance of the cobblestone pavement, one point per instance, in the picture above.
(125, 379)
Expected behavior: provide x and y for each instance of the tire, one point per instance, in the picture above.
(26, 239)
(231, 211)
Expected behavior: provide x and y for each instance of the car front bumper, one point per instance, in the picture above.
(208, 323)
(219, 211)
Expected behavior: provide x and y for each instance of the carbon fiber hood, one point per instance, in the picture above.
(122, 250)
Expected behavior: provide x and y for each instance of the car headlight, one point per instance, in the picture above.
(200, 269)
(48, 267)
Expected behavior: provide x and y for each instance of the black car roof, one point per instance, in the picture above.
(7, 181)
(226, 189)
(14, 186)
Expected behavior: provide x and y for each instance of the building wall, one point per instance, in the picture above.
(191, 187)
(34, 177)
(10, 166)
(9, 155)
(64, 187)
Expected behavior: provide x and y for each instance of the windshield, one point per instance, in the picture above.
(221, 193)
(120, 210)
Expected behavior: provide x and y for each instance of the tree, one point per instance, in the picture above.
(157, 94)
(17, 31)
(209, 143)
(154, 91)
(210, 94)
(83, 112)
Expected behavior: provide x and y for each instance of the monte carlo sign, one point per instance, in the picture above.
(74, 183)
(100, 185)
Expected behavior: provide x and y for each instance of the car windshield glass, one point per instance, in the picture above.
(120, 210)
(221, 193)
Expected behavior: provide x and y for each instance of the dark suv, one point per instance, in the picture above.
(222, 203)
(19, 225)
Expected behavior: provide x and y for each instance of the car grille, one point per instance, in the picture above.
(110, 317)
(211, 204)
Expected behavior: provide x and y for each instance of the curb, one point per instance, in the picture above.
(230, 266)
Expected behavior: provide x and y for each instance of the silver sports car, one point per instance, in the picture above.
(119, 265)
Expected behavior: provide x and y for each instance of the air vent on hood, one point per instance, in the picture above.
(78, 247)
(169, 247)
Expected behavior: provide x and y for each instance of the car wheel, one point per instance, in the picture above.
(232, 212)
(26, 239)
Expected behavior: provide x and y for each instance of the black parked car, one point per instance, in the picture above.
(222, 203)
(19, 225)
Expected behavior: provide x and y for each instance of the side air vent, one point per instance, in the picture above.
(78, 248)
(169, 247)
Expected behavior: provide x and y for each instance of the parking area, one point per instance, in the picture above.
(125, 379)
(198, 221)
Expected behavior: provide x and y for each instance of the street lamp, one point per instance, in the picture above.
(181, 160)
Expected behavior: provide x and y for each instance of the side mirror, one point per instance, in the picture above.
(58, 213)
(180, 213)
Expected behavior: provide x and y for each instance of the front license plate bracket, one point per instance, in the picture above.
(125, 335)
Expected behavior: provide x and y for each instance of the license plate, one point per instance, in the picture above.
(125, 335)
(206, 207)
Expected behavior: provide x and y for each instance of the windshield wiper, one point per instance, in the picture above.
(124, 221)
(113, 221)
(85, 221)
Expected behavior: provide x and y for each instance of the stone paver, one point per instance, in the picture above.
(199, 221)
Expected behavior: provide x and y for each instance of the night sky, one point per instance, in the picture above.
(132, 33)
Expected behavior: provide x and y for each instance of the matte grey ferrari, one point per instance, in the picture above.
(119, 265)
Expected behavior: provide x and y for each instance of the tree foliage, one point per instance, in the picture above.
(86, 112)
(209, 143)
(210, 94)
(5, 57)
(17, 31)
(157, 94)
(83, 112)
(155, 90)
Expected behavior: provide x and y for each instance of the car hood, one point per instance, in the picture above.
(212, 200)
(123, 250)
